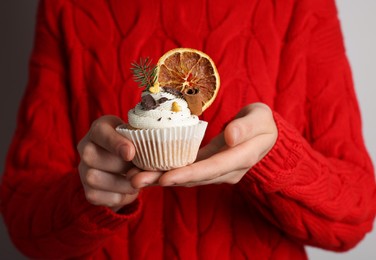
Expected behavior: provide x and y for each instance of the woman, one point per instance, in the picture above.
(284, 142)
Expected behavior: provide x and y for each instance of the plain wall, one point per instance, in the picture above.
(17, 19)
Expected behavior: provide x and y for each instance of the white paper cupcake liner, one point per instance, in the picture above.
(164, 149)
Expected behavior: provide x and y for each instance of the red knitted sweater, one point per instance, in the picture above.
(315, 187)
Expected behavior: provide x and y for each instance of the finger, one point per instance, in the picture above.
(103, 133)
(96, 157)
(132, 172)
(242, 156)
(127, 199)
(109, 199)
(104, 181)
(252, 120)
(213, 147)
(145, 178)
(229, 178)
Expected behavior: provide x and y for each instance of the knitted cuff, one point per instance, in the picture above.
(276, 170)
(91, 217)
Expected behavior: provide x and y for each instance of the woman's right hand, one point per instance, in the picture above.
(106, 170)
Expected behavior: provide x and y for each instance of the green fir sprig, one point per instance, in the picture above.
(144, 72)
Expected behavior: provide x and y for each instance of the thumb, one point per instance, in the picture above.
(233, 134)
(215, 145)
(251, 121)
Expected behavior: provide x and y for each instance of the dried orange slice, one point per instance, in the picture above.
(193, 73)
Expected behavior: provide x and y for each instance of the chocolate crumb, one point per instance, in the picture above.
(159, 119)
(169, 118)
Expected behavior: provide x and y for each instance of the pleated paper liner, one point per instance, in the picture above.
(164, 149)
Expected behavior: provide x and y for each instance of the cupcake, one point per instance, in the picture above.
(164, 132)
(164, 126)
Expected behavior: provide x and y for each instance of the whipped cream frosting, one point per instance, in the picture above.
(167, 110)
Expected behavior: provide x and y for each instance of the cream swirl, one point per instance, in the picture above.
(166, 110)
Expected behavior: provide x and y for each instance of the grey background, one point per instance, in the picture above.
(17, 19)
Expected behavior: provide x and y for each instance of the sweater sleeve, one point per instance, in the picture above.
(42, 199)
(319, 189)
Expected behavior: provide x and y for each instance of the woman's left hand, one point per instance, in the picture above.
(227, 158)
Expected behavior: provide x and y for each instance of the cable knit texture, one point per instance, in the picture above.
(315, 187)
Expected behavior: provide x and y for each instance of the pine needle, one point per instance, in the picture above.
(144, 72)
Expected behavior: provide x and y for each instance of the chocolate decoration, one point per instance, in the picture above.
(162, 100)
(172, 91)
(148, 102)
